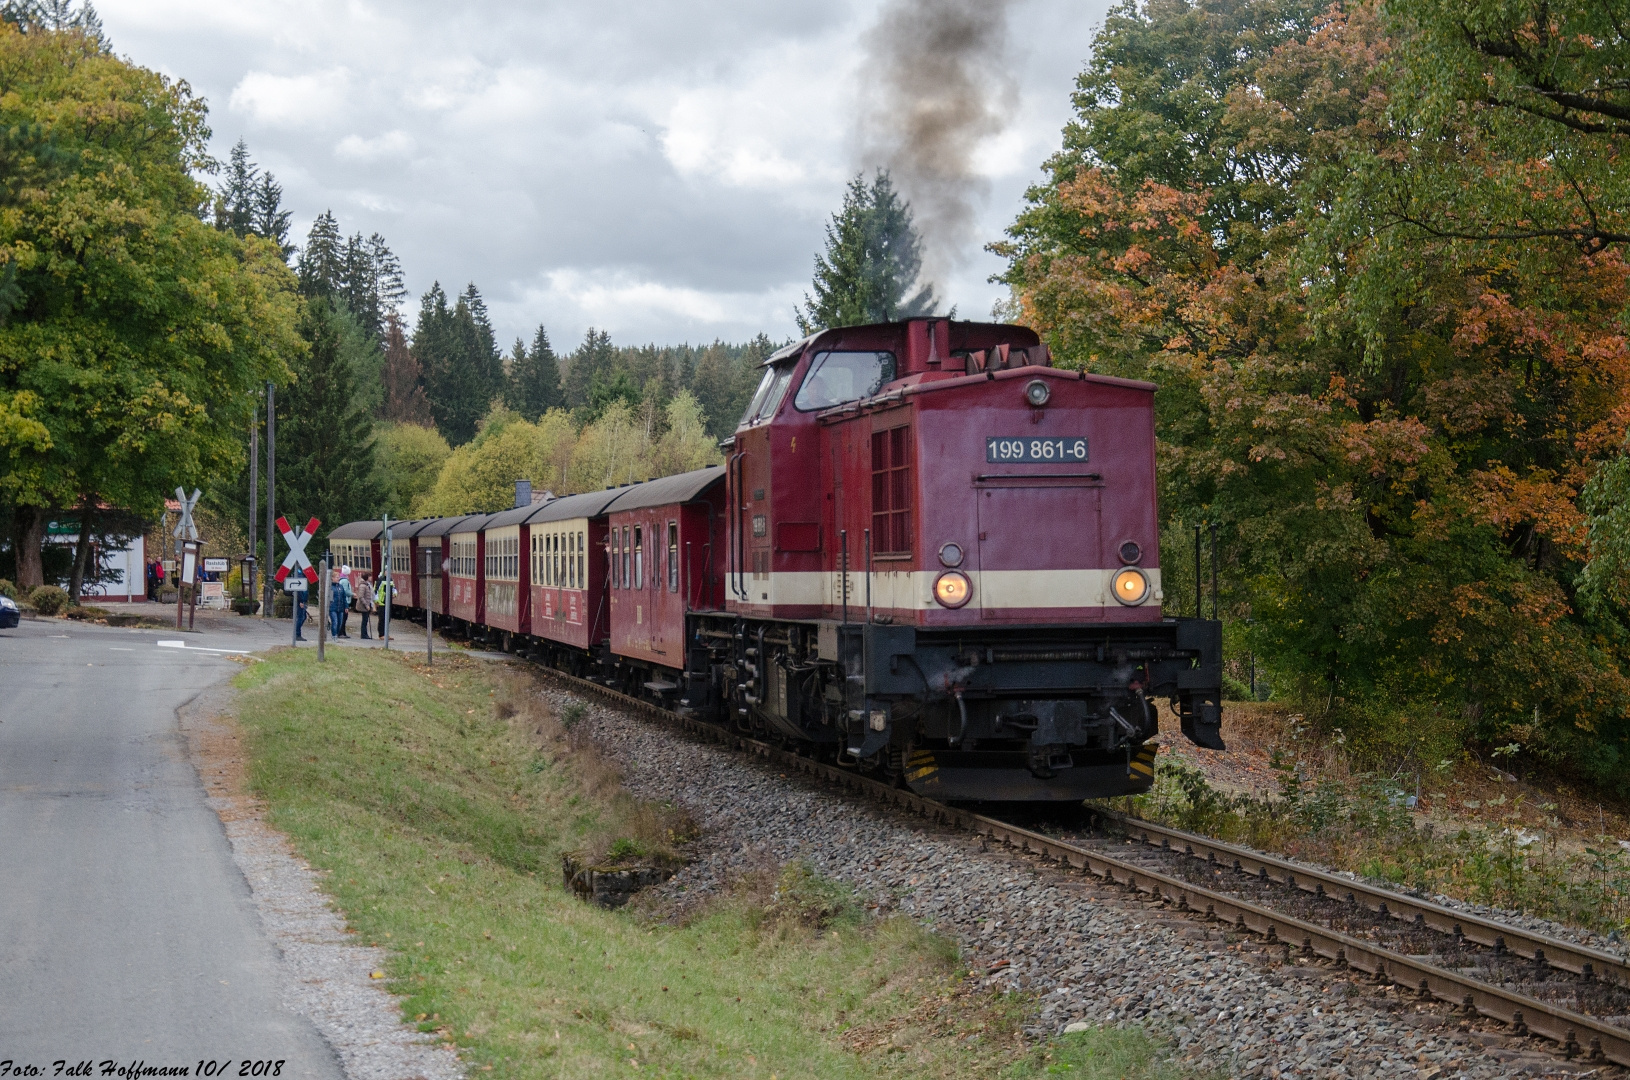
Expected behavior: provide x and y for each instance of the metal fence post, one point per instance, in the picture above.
(322, 607)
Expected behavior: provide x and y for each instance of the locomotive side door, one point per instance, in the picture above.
(1040, 551)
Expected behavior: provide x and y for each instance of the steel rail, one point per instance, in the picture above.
(1525, 1014)
(1579, 959)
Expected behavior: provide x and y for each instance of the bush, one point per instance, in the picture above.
(48, 599)
(7, 589)
(86, 613)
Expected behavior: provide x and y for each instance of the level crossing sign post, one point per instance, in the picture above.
(296, 570)
(187, 533)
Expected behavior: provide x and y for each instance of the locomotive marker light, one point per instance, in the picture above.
(1131, 586)
(1037, 393)
(1131, 552)
(952, 589)
(951, 555)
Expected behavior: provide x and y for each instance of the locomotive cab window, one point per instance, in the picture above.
(838, 377)
(767, 398)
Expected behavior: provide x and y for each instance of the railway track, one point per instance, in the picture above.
(1480, 966)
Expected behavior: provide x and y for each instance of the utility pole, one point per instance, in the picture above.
(271, 493)
(254, 494)
(385, 557)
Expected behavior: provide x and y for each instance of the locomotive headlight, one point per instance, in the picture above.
(1037, 393)
(1131, 586)
(952, 589)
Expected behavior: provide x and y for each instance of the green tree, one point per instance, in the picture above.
(1391, 425)
(534, 378)
(325, 434)
(872, 261)
(724, 380)
(410, 457)
(462, 369)
(595, 357)
(321, 266)
(116, 382)
(404, 397)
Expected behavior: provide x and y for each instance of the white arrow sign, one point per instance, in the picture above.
(185, 529)
(296, 558)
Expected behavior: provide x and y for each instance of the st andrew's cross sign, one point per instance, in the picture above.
(297, 541)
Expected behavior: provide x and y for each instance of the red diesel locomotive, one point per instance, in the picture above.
(929, 554)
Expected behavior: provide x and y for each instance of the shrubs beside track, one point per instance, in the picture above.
(438, 803)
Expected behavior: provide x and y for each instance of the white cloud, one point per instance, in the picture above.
(290, 100)
(661, 170)
(391, 144)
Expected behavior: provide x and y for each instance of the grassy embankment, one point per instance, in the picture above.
(439, 803)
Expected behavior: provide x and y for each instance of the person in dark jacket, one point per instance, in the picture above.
(336, 603)
(299, 614)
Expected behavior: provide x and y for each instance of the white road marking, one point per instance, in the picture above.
(195, 648)
(116, 648)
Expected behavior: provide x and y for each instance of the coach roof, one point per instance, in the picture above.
(587, 505)
(513, 517)
(667, 490)
(443, 526)
(357, 530)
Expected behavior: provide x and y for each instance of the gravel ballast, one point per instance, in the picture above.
(1090, 951)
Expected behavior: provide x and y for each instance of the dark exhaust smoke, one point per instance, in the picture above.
(934, 85)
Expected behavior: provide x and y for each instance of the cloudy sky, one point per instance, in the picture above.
(660, 170)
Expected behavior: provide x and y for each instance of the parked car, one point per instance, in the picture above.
(9, 615)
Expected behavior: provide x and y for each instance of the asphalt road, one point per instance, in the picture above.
(127, 933)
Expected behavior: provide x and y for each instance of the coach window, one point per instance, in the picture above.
(611, 558)
(639, 558)
(673, 556)
(837, 377)
(622, 570)
(582, 560)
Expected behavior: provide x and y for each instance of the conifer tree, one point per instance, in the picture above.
(268, 218)
(249, 201)
(483, 351)
(454, 347)
(534, 378)
(405, 401)
(873, 259)
(322, 263)
(596, 356)
(235, 199)
(325, 438)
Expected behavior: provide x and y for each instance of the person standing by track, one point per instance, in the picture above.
(345, 608)
(387, 587)
(336, 602)
(365, 602)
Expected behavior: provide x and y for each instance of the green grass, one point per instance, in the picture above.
(439, 805)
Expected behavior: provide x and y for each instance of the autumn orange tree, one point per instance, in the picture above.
(1389, 399)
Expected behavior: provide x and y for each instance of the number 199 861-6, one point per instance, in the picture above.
(1071, 448)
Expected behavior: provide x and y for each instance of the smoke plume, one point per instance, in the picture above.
(934, 84)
